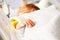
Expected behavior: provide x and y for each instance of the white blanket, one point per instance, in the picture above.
(47, 25)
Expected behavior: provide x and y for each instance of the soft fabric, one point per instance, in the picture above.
(47, 25)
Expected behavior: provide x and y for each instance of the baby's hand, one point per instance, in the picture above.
(29, 23)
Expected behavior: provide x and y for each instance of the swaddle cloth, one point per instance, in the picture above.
(47, 25)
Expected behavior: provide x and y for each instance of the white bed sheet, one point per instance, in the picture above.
(47, 27)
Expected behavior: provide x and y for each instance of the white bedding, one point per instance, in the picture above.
(47, 25)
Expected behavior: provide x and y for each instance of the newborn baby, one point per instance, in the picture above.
(26, 10)
(46, 24)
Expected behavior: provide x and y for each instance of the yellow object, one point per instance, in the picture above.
(14, 22)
